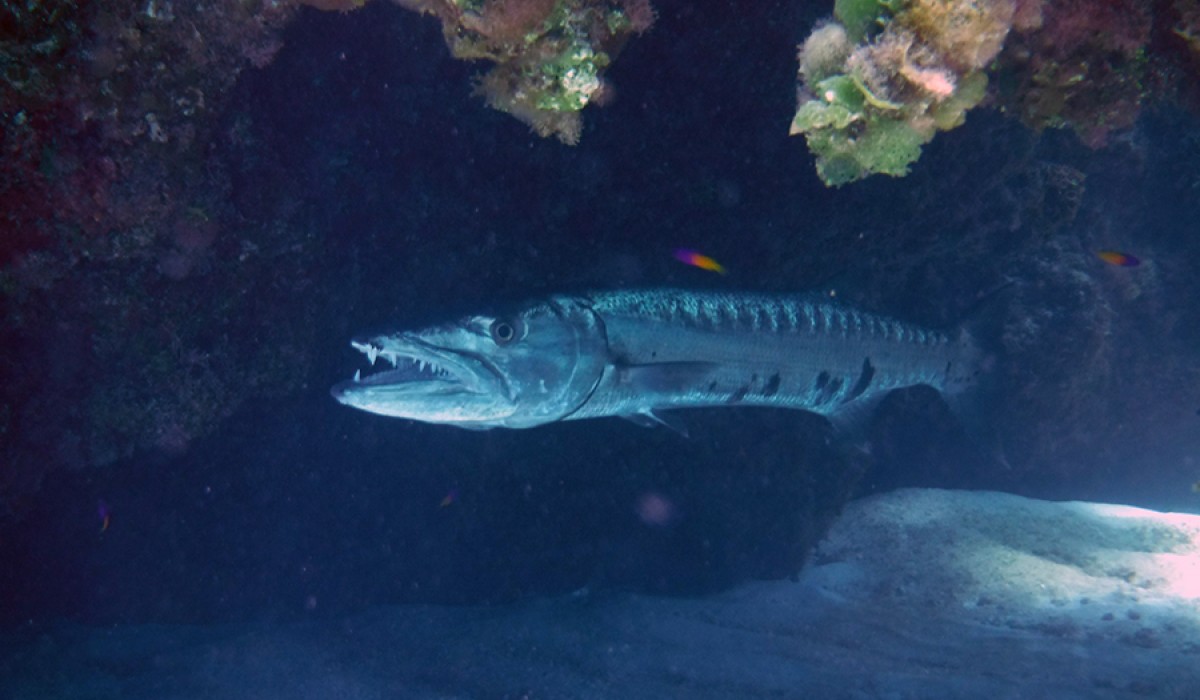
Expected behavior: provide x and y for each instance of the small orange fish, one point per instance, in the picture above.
(691, 257)
(1114, 257)
(104, 513)
(449, 499)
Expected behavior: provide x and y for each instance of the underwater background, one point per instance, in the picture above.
(194, 228)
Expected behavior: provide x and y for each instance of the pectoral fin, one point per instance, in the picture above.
(665, 377)
(650, 419)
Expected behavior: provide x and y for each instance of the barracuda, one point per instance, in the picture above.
(635, 353)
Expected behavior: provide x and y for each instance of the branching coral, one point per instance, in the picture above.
(916, 68)
(550, 55)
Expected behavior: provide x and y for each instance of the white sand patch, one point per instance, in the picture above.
(914, 594)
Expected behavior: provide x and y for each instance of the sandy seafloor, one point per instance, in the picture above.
(913, 594)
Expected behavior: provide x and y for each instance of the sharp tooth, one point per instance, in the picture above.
(392, 358)
(372, 354)
(421, 365)
(358, 375)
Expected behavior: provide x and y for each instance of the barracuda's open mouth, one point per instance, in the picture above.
(404, 368)
(411, 377)
(411, 366)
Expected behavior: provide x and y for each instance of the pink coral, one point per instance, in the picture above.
(939, 83)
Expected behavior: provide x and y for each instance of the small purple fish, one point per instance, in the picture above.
(691, 257)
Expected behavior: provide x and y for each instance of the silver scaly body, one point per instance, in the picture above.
(634, 353)
(721, 349)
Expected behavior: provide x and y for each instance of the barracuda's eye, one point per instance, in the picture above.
(505, 332)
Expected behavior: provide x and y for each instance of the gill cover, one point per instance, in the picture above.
(551, 354)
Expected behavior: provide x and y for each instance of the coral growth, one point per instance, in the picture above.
(966, 35)
(916, 68)
(824, 53)
(549, 55)
(1083, 65)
